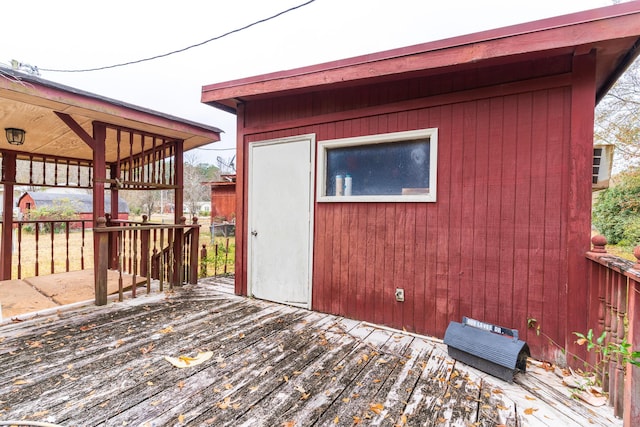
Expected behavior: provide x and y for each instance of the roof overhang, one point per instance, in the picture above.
(35, 105)
(612, 32)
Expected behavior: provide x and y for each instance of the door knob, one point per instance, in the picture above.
(254, 233)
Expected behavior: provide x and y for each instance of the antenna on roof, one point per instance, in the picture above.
(226, 166)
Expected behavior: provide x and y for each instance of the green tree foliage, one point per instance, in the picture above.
(63, 209)
(616, 213)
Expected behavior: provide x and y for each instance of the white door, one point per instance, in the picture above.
(280, 220)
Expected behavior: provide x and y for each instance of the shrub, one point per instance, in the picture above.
(63, 209)
(616, 213)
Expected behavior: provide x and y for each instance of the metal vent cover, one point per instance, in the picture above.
(490, 348)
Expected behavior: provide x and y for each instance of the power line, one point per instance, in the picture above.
(151, 58)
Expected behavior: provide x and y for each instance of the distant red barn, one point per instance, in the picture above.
(419, 185)
(223, 199)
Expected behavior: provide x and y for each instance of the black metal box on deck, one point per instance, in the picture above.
(492, 349)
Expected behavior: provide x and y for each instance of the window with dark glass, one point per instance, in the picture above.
(389, 167)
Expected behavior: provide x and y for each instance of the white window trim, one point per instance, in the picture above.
(323, 146)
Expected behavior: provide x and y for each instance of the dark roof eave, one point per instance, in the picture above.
(615, 74)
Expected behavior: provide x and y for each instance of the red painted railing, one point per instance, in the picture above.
(50, 246)
(144, 250)
(614, 285)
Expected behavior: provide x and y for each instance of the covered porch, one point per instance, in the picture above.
(77, 140)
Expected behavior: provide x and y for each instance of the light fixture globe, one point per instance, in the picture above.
(15, 136)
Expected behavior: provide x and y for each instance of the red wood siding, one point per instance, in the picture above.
(493, 246)
(223, 201)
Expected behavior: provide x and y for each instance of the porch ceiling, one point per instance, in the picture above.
(33, 104)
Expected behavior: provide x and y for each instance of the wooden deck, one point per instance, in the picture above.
(272, 365)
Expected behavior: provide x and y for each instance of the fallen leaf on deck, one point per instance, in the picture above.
(46, 334)
(87, 327)
(34, 344)
(592, 396)
(336, 420)
(186, 361)
(265, 371)
(530, 411)
(147, 349)
(356, 420)
(225, 403)
(19, 382)
(288, 424)
(376, 407)
(181, 419)
(529, 397)
(166, 330)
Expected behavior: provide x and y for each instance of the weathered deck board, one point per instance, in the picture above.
(272, 365)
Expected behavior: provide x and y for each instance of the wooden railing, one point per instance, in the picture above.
(218, 259)
(51, 246)
(614, 286)
(144, 250)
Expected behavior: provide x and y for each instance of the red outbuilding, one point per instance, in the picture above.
(415, 186)
(223, 199)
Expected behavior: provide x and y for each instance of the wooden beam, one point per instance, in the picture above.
(9, 172)
(100, 240)
(77, 129)
(583, 97)
(178, 212)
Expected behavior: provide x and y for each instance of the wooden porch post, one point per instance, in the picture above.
(100, 245)
(9, 179)
(113, 215)
(178, 214)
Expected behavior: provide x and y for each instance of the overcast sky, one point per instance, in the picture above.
(81, 34)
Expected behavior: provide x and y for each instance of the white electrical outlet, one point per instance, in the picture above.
(399, 294)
